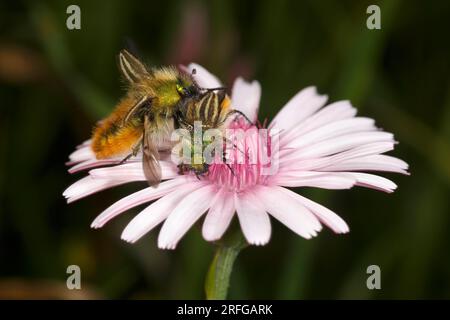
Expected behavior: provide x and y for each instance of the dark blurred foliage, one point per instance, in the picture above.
(55, 83)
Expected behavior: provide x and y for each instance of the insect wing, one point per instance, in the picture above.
(150, 160)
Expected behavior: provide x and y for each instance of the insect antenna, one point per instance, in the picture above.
(233, 144)
(213, 89)
(131, 46)
(243, 115)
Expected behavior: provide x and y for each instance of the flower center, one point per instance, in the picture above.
(247, 159)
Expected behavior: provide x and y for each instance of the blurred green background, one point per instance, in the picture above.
(56, 83)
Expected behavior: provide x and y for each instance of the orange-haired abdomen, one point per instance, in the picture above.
(112, 138)
(226, 103)
(225, 108)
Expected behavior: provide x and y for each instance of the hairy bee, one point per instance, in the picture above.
(211, 110)
(145, 117)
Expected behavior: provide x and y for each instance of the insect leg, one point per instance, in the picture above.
(134, 151)
(224, 159)
(126, 158)
(183, 123)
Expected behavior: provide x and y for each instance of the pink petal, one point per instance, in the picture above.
(131, 170)
(185, 214)
(134, 171)
(138, 198)
(333, 112)
(338, 144)
(93, 163)
(84, 143)
(331, 130)
(289, 211)
(88, 185)
(83, 153)
(203, 77)
(245, 97)
(301, 106)
(379, 162)
(318, 163)
(325, 215)
(374, 182)
(219, 216)
(322, 180)
(155, 213)
(254, 220)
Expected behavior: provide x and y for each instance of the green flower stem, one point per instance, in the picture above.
(218, 277)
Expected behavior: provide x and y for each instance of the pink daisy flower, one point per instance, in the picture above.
(317, 145)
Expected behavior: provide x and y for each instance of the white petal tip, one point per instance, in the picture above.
(258, 243)
(389, 189)
(343, 230)
(167, 246)
(311, 235)
(210, 238)
(128, 239)
(70, 200)
(254, 83)
(96, 225)
(130, 236)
